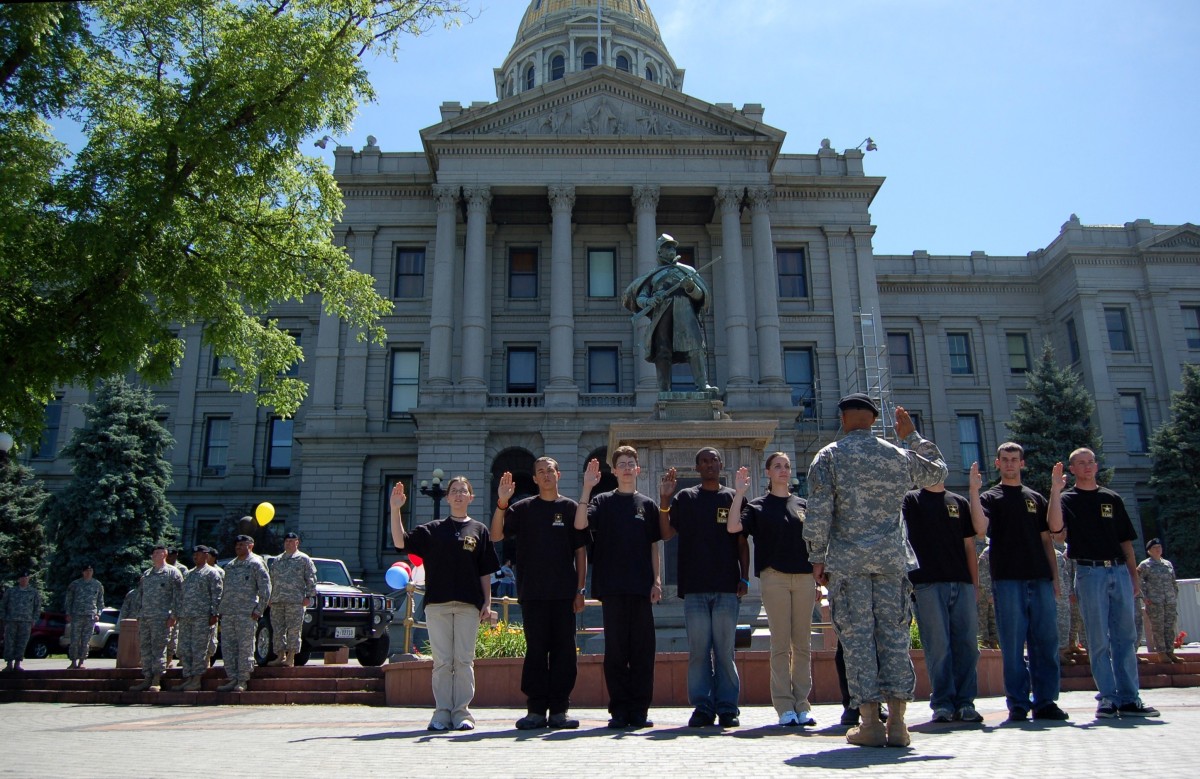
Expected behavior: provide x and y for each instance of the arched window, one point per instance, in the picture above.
(558, 67)
(650, 73)
(529, 74)
(623, 63)
(589, 59)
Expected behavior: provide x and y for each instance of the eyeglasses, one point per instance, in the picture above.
(459, 491)
(626, 466)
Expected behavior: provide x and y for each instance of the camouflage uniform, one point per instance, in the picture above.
(173, 631)
(156, 601)
(19, 609)
(213, 631)
(198, 605)
(247, 593)
(1157, 581)
(1062, 602)
(853, 526)
(988, 634)
(293, 578)
(1076, 635)
(85, 599)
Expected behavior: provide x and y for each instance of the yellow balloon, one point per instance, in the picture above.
(264, 514)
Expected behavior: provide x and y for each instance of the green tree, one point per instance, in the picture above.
(1174, 449)
(190, 200)
(22, 540)
(1052, 420)
(115, 507)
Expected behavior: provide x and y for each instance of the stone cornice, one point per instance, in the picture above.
(951, 287)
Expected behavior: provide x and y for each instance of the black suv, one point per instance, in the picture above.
(345, 614)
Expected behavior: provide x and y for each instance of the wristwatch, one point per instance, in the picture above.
(583, 591)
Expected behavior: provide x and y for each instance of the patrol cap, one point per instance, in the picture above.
(200, 548)
(172, 550)
(858, 400)
(1153, 542)
(290, 535)
(85, 566)
(245, 538)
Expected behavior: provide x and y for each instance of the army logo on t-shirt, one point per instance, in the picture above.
(469, 543)
(722, 516)
(952, 509)
(558, 521)
(1106, 510)
(641, 514)
(1030, 505)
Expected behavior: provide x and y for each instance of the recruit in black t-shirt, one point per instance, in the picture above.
(457, 555)
(1016, 519)
(1096, 523)
(708, 552)
(546, 543)
(777, 525)
(624, 526)
(937, 523)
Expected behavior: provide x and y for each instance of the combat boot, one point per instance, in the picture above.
(191, 685)
(144, 684)
(870, 733)
(291, 660)
(280, 660)
(228, 686)
(897, 730)
(155, 683)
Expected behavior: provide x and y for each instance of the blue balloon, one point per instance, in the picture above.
(396, 577)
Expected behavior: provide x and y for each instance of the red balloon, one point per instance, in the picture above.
(402, 564)
(416, 560)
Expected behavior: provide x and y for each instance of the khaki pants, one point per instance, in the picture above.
(453, 628)
(788, 599)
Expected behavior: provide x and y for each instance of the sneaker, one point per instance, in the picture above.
(805, 719)
(701, 719)
(618, 722)
(466, 725)
(968, 714)
(531, 721)
(641, 722)
(1106, 710)
(1051, 712)
(729, 720)
(849, 717)
(560, 721)
(437, 725)
(1137, 709)
(788, 719)
(942, 715)
(1018, 714)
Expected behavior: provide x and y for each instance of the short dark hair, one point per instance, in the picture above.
(624, 451)
(1010, 447)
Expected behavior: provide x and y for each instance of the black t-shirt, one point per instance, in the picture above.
(777, 525)
(546, 544)
(625, 527)
(708, 552)
(937, 523)
(1096, 524)
(1016, 521)
(457, 555)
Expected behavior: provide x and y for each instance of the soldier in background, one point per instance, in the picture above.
(1062, 603)
(988, 637)
(156, 605)
(19, 609)
(197, 616)
(245, 596)
(84, 600)
(1161, 593)
(293, 587)
(212, 631)
(856, 544)
(173, 633)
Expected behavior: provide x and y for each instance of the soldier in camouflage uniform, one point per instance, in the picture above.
(1062, 602)
(19, 609)
(1076, 635)
(85, 599)
(173, 633)
(213, 632)
(245, 596)
(197, 616)
(156, 607)
(857, 545)
(1161, 592)
(293, 587)
(988, 636)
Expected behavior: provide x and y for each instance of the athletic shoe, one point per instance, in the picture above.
(1137, 709)
(1051, 712)
(1106, 710)
(849, 717)
(942, 715)
(789, 719)
(805, 719)
(701, 719)
(466, 725)
(560, 721)
(1018, 714)
(437, 725)
(968, 714)
(532, 721)
(729, 720)
(641, 722)
(618, 722)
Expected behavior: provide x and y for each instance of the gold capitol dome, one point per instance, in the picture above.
(541, 11)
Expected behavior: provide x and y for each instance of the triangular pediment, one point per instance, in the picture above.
(1185, 237)
(602, 103)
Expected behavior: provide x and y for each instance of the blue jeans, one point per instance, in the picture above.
(1106, 603)
(711, 622)
(948, 620)
(1027, 615)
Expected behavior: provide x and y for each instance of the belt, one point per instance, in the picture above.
(1102, 563)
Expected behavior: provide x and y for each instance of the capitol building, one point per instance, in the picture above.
(505, 236)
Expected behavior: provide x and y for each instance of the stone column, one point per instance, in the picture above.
(844, 325)
(441, 317)
(561, 390)
(474, 316)
(766, 290)
(737, 328)
(645, 205)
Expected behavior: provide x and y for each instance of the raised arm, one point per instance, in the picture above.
(741, 483)
(591, 477)
(979, 520)
(1058, 480)
(504, 494)
(395, 503)
(666, 492)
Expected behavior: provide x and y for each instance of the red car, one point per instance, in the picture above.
(44, 638)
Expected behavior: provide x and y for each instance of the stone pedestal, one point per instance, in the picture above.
(129, 653)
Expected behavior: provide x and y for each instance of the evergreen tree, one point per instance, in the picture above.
(115, 508)
(1174, 448)
(22, 540)
(1053, 420)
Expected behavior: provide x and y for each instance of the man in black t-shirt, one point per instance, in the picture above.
(552, 557)
(944, 593)
(1024, 584)
(714, 570)
(625, 578)
(1100, 542)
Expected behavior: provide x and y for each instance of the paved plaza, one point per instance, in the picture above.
(44, 740)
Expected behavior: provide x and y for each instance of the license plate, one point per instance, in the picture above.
(343, 632)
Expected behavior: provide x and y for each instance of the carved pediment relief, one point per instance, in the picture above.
(1183, 239)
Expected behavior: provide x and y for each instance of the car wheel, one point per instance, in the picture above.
(111, 647)
(302, 657)
(374, 651)
(39, 650)
(262, 643)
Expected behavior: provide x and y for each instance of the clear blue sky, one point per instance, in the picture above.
(995, 120)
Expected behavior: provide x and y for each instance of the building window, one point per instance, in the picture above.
(970, 441)
(1117, 323)
(623, 63)
(51, 420)
(216, 446)
(681, 377)
(1133, 417)
(798, 373)
(602, 276)
(915, 416)
(406, 376)
(221, 363)
(1018, 352)
(410, 273)
(900, 360)
(522, 273)
(960, 353)
(1191, 326)
(589, 60)
(650, 76)
(529, 77)
(603, 370)
(207, 531)
(558, 67)
(1072, 341)
(793, 276)
(522, 369)
(294, 368)
(279, 455)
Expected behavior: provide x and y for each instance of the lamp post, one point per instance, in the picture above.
(433, 489)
